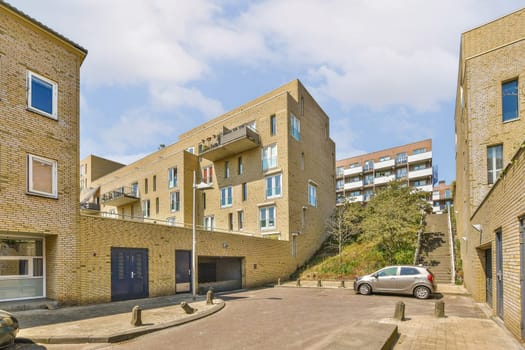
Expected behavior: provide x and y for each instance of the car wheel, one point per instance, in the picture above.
(421, 292)
(365, 289)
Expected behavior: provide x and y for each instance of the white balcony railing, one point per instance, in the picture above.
(354, 170)
(384, 179)
(385, 164)
(420, 173)
(419, 157)
(426, 188)
(352, 185)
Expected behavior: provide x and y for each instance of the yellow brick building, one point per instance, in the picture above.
(39, 151)
(490, 193)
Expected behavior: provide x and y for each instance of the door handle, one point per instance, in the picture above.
(132, 275)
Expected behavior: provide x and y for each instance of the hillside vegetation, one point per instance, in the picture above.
(363, 238)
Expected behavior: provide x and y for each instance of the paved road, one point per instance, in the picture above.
(284, 318)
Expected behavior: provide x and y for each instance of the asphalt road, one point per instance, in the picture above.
(284, 318)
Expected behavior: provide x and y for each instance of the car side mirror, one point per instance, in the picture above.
(375, 275)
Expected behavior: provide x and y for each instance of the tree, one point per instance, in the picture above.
(393, 218)
(343, 226)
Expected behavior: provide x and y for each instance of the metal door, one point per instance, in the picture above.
(488, 276)
(129, 273)
(499, 274)
(182, 271)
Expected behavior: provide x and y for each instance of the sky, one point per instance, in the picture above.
(384, 71)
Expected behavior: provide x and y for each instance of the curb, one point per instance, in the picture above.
(128, 334)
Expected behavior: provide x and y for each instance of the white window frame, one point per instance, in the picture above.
(269, 157)
(172, 177)
(265, 212)
(312, 194)
(146, 208)
(295, 127)
(226, 196)
(174, 201)
(493, 173)
(271, 192)
(54, 176)
(54, 102)
(209, 223)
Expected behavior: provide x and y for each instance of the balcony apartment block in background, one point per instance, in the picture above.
(357, 178)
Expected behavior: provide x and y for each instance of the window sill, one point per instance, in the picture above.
(265, 204)
(44, 195)
(42, 113)
(510, 120)
(272, 171)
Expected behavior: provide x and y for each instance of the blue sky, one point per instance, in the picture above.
(384, 71)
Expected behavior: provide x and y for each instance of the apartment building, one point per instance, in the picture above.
(252, 159)
(39, 151)
(441, 197)
(358, 177)
(490, 166)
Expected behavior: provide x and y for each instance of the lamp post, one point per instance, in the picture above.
(196, 186)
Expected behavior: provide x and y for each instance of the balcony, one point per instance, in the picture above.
(420, 157)
(385, 164)
(228, 143)
(353, 199)
(353, 185)
(420, 173)
(120, 197)
(353, 171)
(384, 179)
(425, 188)
(90, 208)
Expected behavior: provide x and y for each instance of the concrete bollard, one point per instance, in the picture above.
(279, 281)
(209, 297)
(319, 283)
(136, 316)
(439, 310)
(399, 313)
(342, 284)
(298, 283)
(187, 308)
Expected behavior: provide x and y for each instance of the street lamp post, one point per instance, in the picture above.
(196, 186)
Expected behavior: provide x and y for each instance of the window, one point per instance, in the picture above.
(273, 186)
(401, 158)
(239, 166)
(401, 173)
(312, 194)
(240, 219)
(419, 167)
(226, 197)
(267, 218)
(419, 150)
(207, 175)
(269, 157)
(384, 158)
(355, 193)
(204, 200)
(226, 169)
(157, 205)
(42, 176)
(302, 161)
(172, 177)
(369, 165)
(303, 217)
(340, 184)
(154, 183)
(368, 195)
(171, 221)
(134, 189)
(295, 127)
(339, 171)
(302, 105)
(353, 179)
(230, 221)
(244, 191)
(273, 125)
(418, 183)
(145, 186)
(409, 271)
(369, 179)
(190, 150)
(447, 194)
(209, 223)
(494, 162)
(509, 100)
(175, 201)
(389, 271)
(145, 208)
(42, 95)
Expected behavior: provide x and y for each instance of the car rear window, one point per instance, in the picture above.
(409, 271)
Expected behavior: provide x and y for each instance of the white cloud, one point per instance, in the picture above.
(172, 96)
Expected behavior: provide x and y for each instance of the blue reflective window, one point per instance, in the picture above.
(42, 95)
(509, 100)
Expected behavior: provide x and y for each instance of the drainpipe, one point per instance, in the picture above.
(452, 243)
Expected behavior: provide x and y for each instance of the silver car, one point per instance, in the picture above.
(405, 279)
